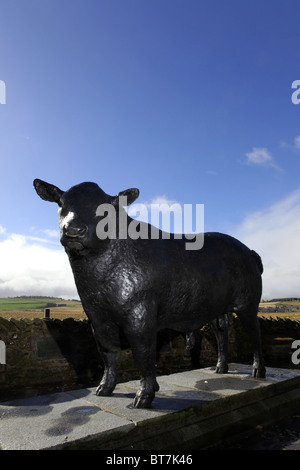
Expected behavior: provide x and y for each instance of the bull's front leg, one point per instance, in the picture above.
(108, 344)
(141, 333)
(145, 360)
(109, 378)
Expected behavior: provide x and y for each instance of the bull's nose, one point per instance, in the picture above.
(73, 232)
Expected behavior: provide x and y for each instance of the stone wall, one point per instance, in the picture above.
(46, 355)
(42, 355)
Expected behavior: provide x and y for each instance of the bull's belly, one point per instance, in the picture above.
(184, 327)
(187, 320)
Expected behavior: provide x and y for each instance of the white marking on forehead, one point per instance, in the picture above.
(67, 219)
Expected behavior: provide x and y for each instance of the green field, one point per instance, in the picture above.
(30, 303)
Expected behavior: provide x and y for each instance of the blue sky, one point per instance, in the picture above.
(188, 100)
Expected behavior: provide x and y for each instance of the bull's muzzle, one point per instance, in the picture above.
(74, 232)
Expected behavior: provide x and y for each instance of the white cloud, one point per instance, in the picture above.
(295, 145)
(275, 234)
(163, 206)
(262, 157)
(51, 233)
(29, 267)
(297, 142)
(259, 156)
(48, 233)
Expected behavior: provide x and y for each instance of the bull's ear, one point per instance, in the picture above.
(130, 194)
(47, 191)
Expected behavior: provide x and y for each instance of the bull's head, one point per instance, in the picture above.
(78, 211)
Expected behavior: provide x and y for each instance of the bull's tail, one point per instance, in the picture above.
(258, 261)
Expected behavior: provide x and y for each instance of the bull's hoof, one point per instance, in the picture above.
(104, 391)
(142, 401)
(259, 373)
(222, 369)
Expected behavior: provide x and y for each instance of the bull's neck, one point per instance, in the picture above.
(106, 252)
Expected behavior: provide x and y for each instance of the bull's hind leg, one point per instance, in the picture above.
(250, 323)
(220, 328)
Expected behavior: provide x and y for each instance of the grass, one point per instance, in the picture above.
(22, 303)
(295, 315)
(33, 307)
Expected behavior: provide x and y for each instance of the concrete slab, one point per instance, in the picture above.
(48, 421)
(192, 410)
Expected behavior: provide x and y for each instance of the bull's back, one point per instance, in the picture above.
(223, 276)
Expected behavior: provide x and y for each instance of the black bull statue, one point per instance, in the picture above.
(143, 285)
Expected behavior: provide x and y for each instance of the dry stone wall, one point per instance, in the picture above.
(46, 355)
